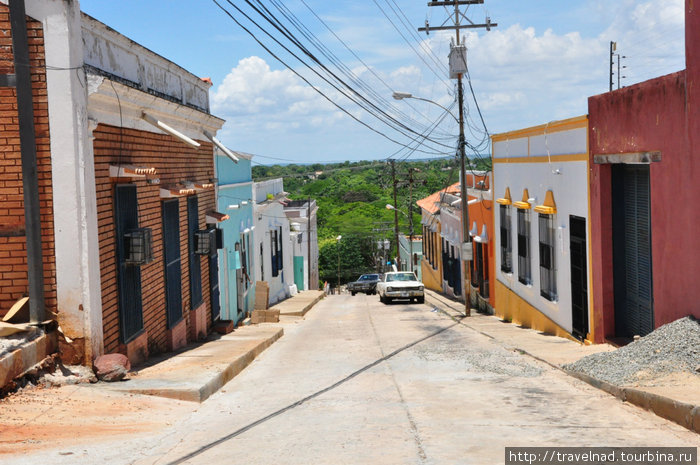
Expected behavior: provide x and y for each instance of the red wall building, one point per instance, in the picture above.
(644, 143)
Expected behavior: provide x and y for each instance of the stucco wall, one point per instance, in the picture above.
(656, 115)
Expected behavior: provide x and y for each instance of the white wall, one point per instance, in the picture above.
(570, 189)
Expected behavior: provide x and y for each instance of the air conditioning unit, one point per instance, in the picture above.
(138, 248)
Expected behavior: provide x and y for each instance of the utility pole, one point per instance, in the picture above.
(308, 240)
(394, 182)
(410, 216)
(613, 47)
(458, 67)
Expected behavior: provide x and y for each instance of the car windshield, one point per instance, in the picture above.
(401, 277)
(368, 277)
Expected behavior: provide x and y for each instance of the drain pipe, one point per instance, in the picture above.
(30, 182)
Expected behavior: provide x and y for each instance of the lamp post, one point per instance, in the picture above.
(466, 240)
(338, 242)
(410, 235)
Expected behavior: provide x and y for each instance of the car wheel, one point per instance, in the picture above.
(420, 300)
(381, 298)
(352, 293)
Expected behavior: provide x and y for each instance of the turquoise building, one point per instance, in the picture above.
(237, 258)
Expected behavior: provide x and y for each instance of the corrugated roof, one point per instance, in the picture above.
(431, 202)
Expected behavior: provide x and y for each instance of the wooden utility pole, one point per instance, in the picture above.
(458, 67)
(394, 183)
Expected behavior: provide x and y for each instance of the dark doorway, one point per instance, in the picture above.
(579, 277)
(632, 273)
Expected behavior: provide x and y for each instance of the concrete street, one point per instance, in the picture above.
(359, 382)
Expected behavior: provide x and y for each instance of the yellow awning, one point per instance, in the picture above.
(549, 207)
(506, 199)
(523, 204)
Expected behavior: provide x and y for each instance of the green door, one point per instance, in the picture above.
(299, 272)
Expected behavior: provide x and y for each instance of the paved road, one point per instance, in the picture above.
(359, 382)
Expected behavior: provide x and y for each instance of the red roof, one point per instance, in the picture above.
(431, 202)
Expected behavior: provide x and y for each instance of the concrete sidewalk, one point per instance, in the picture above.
(668, 398)
(196, 373)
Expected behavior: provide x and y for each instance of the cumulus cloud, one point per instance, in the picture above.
(522, 76)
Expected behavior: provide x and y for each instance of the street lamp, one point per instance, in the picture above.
(337, 239)
(410, 234)
(466, 244)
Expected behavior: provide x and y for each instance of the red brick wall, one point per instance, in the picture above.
(13, 254)
(175, 162)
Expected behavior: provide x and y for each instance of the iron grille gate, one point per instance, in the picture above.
(634, 312)
(172, 261)
(128, 276)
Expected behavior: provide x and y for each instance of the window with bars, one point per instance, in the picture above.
(126, 218)
(172, 262)
(274, 259)
(506, 241)
(548, 282)
(280, 262)
(524, 270)
(194, 259)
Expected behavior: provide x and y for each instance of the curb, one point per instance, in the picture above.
(686, 415)
(304, 310)
(681, 413)
(163, 387)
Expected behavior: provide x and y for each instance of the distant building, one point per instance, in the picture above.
(302, 214)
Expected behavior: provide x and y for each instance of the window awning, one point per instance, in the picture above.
(216, 217)
(130, 171)
(169, 192)
(505, 200)
(484, 237)
(524, 204)
(198, 185)
(549, 207)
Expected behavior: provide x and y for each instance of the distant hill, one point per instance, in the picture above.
(352, 199)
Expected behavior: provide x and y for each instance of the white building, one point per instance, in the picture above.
(542, 255)
(273, 248)
(302, 215)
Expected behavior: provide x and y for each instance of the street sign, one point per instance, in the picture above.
(467, 251)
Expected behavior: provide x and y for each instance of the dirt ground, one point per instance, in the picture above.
(68, 416)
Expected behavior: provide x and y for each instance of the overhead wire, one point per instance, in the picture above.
(280, 60)
(329, 54)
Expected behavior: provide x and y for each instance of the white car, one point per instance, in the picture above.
(400, 285)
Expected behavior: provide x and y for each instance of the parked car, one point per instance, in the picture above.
(400, 285)
(366, 283)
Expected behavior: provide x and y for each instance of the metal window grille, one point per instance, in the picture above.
(506, 241)
(273, 252)
(548, 282)
(126, 218)
(172, 262)
(194, 259)
(524, 270)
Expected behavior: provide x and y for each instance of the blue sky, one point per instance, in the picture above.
(540, 64)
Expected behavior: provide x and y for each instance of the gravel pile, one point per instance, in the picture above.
(671, 348)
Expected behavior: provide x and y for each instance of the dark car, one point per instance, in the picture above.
(367, 283)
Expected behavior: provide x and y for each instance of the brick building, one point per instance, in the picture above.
(125, 152)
